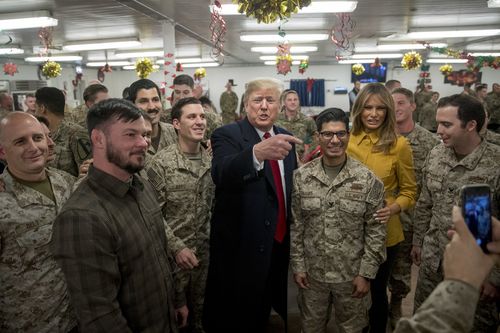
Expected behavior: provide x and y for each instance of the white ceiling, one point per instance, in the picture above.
(375, 20)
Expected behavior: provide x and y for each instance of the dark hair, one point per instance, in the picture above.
(469, 108)
(30, 95)
(177, 108)
(125, 93)
(480, 87)
(204, 100)
(407, 92)
(52, 99)
(90, 93)
(113, 109)
(43, 120)
(184, 79)
(141, 84)
(391, 83)
(331, 114)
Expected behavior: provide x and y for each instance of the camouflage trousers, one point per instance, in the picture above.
(190, 286)
(486, 317)
(400, 279)
(315, 305)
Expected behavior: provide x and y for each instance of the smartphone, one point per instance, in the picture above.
(476, 209)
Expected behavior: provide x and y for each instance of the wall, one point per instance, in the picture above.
(335, 76)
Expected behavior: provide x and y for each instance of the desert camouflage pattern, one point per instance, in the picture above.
(78, 115)
(301, 126)
(492, 102)
(228, 106)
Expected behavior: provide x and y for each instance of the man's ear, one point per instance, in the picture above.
(176, 123)
(98, 138)
(2, 153)
(471, 125)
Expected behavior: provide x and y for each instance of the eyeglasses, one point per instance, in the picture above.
(327, 135)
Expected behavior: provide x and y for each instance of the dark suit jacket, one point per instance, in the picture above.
(242, 232)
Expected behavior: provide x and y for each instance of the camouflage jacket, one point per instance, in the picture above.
(186, 197)
(72, 147)
(492, 102)
(427, 116)
(334, 236)
(228, 106)
(79, 115)
(443, 176)
(214, 121)
(301, 126)
(492, 137)
(33, 291)
(168, 136)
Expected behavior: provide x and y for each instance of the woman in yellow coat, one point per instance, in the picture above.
(375, 143)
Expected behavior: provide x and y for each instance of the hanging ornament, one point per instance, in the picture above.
(51, 69)
(10, 69)
(218, 32)
(358, 69)
(304, 64)
(78, 78)
(178, 67)
(341, 33)
(144, 67)
(268, 11)
(446, 69)
(283, 58)
(411, 60)
(45, 35)
(200, 73)
(106, 68)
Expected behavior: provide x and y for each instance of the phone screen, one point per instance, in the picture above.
(477, 213)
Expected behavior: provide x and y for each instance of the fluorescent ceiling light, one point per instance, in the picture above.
(486, 54)
(294, 57)
(187, 60)
(493, 3)
(292, 37)
(139, 54)
(54, 58)
(452, 34)
(132, 67)
(356, 61)
(397, 47)
(381, 55)
(201, 64)
(447, 61)
(293, 49)
(35, 19)
(110, 63)
(270, 63)
(11, 50)
(101, 44)
(314, 7)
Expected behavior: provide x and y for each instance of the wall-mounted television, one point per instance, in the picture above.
(371, 73)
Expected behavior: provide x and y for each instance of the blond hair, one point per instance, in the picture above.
(262, 83)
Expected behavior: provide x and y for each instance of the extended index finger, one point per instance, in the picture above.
(292, 139)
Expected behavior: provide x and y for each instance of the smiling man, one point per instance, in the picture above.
(249, 239)
(336, 243)
(462, 158)
(146, 95)
(180, 174)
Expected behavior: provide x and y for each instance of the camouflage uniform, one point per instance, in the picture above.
(72, 147)
(334, 238)
(79, 115)
(421, 142)
(243, 112)
(443, 176)
(168, 136)
(301, 126)
(33, 291)
(492, 102)
(186, 196)
(228, 106)
(427, 116)
(214, 121)
(492, 137)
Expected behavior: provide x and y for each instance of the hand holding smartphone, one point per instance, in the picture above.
(476, 210)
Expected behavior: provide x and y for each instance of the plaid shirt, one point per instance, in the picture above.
(110, 242)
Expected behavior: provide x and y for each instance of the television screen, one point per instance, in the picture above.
(371, 73)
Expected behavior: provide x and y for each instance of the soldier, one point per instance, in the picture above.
(353, 93)
(392, 84)
(51, 153)
(292, 119)
(336, 243)
(493, 105)
(6, 104)
(487, 134)
(93, 94)
(30, 104)
(229, 103)
(214, 120)
(426, 111)
(33, 292)
(180, 174)
(145, 94)
(109, 238)
(71, 140)
(462, 158)
(421, 142)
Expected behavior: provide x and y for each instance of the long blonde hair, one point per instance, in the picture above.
(387, 131)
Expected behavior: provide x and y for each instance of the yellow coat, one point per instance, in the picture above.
(395, 169)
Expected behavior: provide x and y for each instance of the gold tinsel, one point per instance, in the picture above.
(51, 69)
(268, 11)
(144, 67)
(200, 73)
(357, 69)
(446, 69)
(411, 60)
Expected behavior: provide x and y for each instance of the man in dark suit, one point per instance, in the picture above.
(252, 168)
